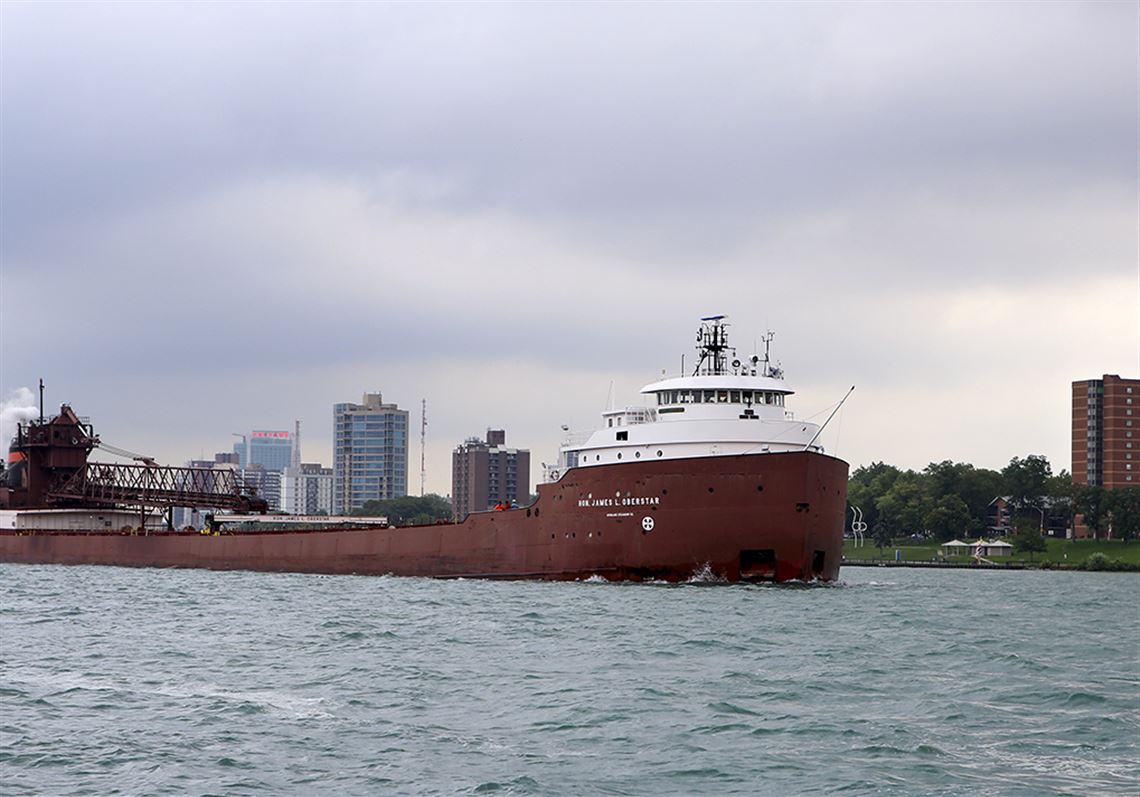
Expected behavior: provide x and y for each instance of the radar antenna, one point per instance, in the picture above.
(712, 345)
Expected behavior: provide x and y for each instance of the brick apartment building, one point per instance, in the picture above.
(1105, 415)
(486, 472)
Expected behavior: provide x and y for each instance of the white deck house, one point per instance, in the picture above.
(727, 406)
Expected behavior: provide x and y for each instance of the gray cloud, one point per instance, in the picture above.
(643, 112)
(299, 202)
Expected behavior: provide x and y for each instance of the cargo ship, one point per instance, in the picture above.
(712, 479)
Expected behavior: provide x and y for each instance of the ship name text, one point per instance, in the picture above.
(629, 500)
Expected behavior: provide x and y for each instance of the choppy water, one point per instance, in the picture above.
(119, 681)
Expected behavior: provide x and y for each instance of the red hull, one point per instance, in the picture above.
(769, 517)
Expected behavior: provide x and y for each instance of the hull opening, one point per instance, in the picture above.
(818, 560)
(758, 565)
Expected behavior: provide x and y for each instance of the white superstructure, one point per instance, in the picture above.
(726, 407)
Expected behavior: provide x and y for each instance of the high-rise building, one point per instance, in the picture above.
(486, 472)
(307, 490)
(262, 456)
(370, 453)
(1104, 441)
(272, 450)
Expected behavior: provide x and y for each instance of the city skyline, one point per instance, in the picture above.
(494, 208)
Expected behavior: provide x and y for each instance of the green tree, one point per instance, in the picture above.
(881, 535)
(1124, 504)
(867, 485)
(1026, 480)
(943, 478)
(1028, 538)
(904, 507)
(1060, 492)
(1090, 502)
(408, 510)
(949, 518)
(976, 487)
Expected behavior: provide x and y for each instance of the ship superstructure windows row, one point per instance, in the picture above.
(370, 453)
(748, 397)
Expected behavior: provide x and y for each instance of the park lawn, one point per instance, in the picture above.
(1064, 552)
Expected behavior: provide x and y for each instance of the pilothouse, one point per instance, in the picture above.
(726, 406)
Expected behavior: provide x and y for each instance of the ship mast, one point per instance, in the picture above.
(423, 440)
(712, 346)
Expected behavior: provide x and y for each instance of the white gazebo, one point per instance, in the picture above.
(955, 548)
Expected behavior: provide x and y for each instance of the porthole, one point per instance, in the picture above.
(759, 488)
(659, 452)
(637, 455)
(710, 489)
(619, 455)
(664, 491)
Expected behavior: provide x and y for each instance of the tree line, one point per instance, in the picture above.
(951, 499)
(408, 510)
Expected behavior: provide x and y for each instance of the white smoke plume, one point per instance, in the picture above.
(19, 406)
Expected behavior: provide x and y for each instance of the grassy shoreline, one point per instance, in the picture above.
(1059, 554)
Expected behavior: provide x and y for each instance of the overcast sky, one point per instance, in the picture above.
(219, 217)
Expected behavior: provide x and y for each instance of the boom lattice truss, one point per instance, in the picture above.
(157, 486)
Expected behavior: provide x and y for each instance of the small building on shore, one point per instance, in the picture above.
(955, 548)
(996, 548)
